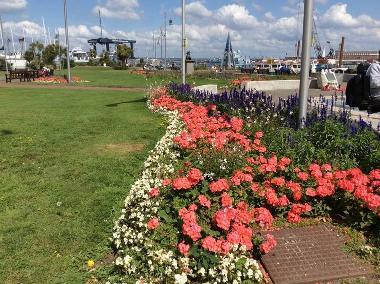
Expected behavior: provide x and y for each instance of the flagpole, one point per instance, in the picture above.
(67, 44)
(2, 39)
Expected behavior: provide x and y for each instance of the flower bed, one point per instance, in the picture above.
(211, 191)
(58, 80)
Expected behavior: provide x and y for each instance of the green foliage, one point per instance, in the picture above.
(105, 59)
(51, 52)
(72, 63)
(123, 53)
(29, 55)
(326, 142)
(34, 55)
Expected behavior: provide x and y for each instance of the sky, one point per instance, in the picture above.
(258, 28)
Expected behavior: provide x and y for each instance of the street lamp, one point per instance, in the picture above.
(67, 44)
(305, 66)
(183, 44)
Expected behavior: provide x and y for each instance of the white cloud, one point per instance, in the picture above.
(337, 16)
(237, 16)
(12, 5)
(195, 9)
(119, 9)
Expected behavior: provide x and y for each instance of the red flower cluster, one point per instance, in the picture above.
(154, 192)
(269, 244)
(190, 226)
(219, 185)
(218, 246)
(204, 201)
(239, 177)
(185, 183)
(294, 215)
(183, 248)
(153, 223)
(226, 200)
(263, 217)
(206, 127)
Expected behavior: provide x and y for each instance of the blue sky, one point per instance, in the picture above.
(267, 28)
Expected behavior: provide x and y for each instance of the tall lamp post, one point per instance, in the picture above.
(165, 42)
(67, 44)
(305, 66)
(183, 44)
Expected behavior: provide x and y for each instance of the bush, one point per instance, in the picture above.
(72, 64)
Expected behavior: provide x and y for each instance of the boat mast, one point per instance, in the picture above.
(13, 42)
(23, 34)
(43, 25)
(49, 37)
(100, 25)
(2, 40)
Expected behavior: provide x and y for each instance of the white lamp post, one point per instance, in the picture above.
(183, 44)
(305, 67)
(67, 44)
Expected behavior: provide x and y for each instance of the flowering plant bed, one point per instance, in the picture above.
(211, 191)
(59, 80)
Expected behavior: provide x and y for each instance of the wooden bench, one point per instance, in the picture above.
(22, 75)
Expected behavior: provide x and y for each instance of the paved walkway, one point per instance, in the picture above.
(312, 255)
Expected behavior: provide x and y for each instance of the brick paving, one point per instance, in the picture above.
(312, 255)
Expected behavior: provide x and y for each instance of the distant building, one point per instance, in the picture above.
(359, 56)
(228, 57)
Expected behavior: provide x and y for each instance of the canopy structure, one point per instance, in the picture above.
(108, 41)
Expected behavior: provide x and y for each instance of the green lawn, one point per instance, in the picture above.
(108, 77)
(67, 160)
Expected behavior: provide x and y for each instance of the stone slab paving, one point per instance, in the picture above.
(312, 255)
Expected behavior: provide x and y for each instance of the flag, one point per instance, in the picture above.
(2, 48)
(22, 39)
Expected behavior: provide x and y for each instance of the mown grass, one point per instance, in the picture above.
(67, 160)
(108, 77)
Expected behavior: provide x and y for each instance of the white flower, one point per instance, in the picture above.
(180, 278)
(202, 271)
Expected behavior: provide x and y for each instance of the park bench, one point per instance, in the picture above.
(22, 75)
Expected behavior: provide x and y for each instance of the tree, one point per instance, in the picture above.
(92, 53)
(29, 55)
(105, 58)
(123, 53)
(51, 52)
(34, 53)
